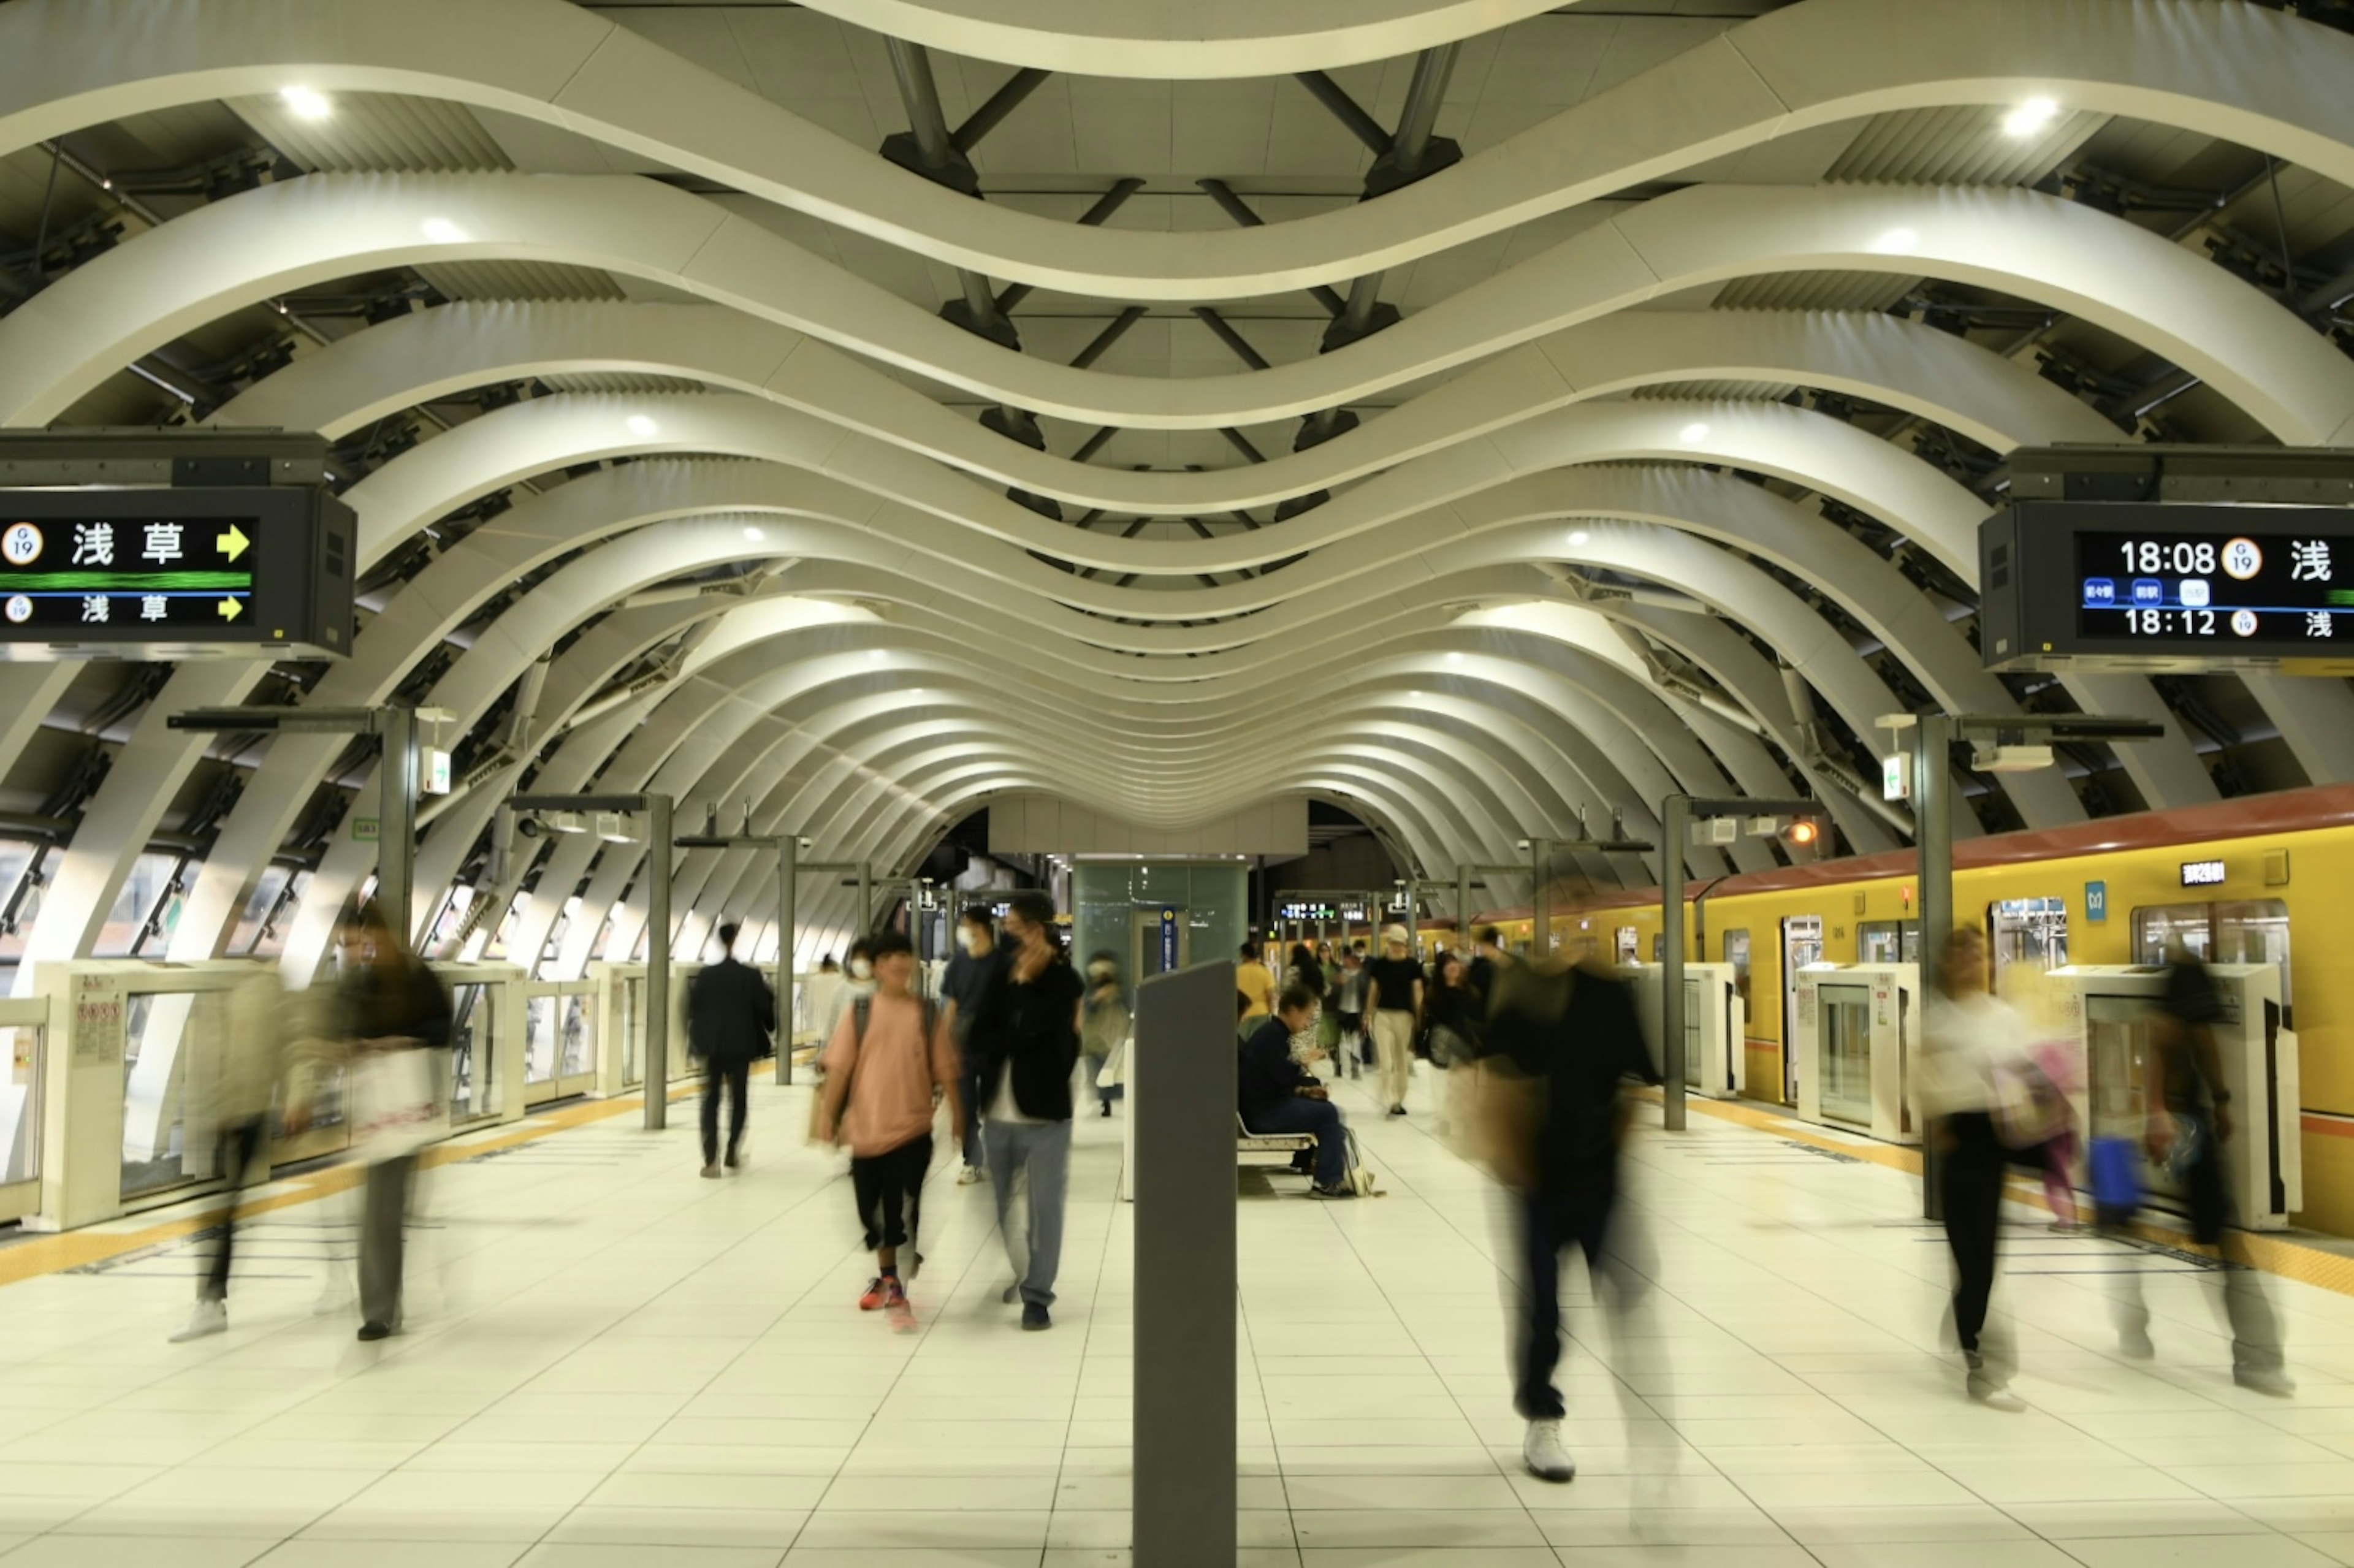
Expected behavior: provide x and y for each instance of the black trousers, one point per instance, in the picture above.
(889, 1188)
(241, 1142)
(1551, 1222)
(1972, 1183)
(736, 1078)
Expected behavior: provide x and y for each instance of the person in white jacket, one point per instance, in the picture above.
(229, 1085)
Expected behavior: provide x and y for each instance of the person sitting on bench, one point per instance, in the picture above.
(1278, 1094)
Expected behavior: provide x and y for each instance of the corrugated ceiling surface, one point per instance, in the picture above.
(375, 131)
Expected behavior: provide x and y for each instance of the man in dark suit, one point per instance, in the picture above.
(730, 1015)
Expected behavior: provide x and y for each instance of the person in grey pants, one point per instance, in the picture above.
(389, 1002)
(1026, 1036)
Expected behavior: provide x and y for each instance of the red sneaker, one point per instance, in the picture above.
(894, 1299)
(874, 1297)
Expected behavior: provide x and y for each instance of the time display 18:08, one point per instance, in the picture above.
(2184, 558)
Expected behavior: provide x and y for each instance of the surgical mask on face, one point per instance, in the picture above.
(861, 970)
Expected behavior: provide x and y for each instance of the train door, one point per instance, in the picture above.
(1737, 956)
(1802, 944)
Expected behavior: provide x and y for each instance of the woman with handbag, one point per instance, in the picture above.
(1972, 1040)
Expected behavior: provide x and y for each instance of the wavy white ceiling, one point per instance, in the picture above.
(1585, 519)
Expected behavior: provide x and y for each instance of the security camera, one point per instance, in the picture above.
(530, 827)
(808, 844)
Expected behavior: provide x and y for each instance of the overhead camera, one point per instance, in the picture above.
(530, 827)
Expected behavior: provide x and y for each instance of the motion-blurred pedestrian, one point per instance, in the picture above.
(1561, 1043)
(979, 960)
(1971, 1037)
(1106, 1025)
(396, 1016)
(1028, 1037)
(227, 1088)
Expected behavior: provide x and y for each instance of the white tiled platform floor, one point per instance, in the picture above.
(613, 1361)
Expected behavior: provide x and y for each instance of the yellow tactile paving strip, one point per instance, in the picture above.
(2273, 1254)
(71, 1249)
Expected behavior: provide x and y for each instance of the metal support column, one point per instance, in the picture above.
(396, 850)
(1541, 898)
(788, 876)
(658, 939)
(1933, 830)
(866, 900)
(1675, 831)
(1183, 1180)
(1463, 906)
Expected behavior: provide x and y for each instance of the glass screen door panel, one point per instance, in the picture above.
(20, 1120)
(1845, 1011)
(2120, 1037)
(1802, 944)
(539, 1042)
(473, 1092)
(1694, 1031)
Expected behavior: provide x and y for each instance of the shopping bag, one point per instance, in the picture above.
(2028, 1110)
(395, 1103)
(2115, 1164)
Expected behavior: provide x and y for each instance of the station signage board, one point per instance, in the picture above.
(2101, 585)
(175, 573)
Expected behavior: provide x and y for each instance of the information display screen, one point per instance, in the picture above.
(168, 573)
(174, 572)
(2232, 587)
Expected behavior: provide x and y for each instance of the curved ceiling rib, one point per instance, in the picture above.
(2233, 71)
(251, 247)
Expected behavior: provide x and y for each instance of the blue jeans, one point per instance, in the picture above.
(1041, 1151)
(1320, 1118)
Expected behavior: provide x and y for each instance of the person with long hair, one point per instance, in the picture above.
(1105, 1024)
(1969, 1039)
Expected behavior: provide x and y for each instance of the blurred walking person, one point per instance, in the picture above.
(232, 1098)
(979, 960)
(731, 1018)
(1106, 1026)
(1027, 1034)
(1562, 1041)
(2190, 1120)
(396, 1016)
(1393, 996)
(889, 1053)
(1349, 1012)
(1972, 1040)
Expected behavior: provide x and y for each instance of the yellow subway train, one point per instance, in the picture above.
(2261, 880)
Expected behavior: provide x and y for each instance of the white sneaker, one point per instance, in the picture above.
(209, 1317)
(1994, 1395)
(968, 1175)
(1547, 1460)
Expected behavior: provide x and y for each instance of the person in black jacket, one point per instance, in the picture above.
(1026, 1034)
(730, 1017)
(1278, 1095)
(388, 1002)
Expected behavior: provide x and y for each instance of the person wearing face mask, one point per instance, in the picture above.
(1106, 1024)
(1026, 1034)
(979, 960)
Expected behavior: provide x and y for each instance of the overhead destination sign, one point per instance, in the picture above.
(175, 573)
(2120, 586)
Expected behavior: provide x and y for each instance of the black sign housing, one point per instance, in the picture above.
(175, 573)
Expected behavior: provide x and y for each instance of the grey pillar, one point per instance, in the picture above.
(395, 848)
(1675, 829)
(1933, 834)
(865, 899)
(657, 873)
(1541, 898)
(788, 874)
(1185, 1291)
(1463, 903)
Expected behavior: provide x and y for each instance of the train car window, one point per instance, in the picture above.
(2029, 930)
(1736, 953)
(1622, 945)
(1888, 942)
(2236, 931)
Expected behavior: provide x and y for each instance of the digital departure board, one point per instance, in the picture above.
(163, 572)
(2128, 586)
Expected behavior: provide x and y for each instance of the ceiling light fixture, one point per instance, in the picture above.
(639, 425)
(1695, 431)
(441, 231)
(1578, 536)
(307, 103)
(1897, 242)
(754, 534)
(2030, 118)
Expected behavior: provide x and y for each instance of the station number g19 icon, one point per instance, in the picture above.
(20, 544)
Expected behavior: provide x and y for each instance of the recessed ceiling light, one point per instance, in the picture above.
(441, 231)
(1578, 535)
(753, 534)
(307, 103)
(1897, 242)
(875, 653)
(639, 425)
(1695, 431)
(2030, 118)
